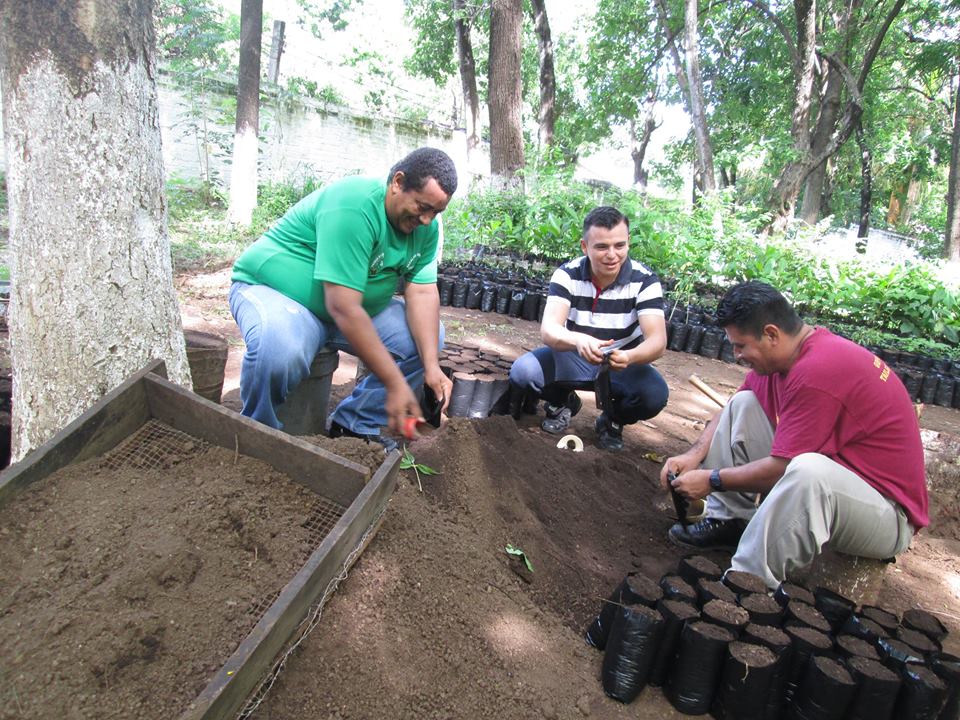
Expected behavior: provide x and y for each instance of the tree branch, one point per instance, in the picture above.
(877, 42)
(851, 115)
(779, 24)
(926, 96)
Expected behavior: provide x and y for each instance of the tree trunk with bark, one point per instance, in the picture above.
(787, 188)
(548, 82)
(243, 170)
(505, 93)
(640, 141)
(866, 185)
(92, 297)
(826, 122)
(698, 112)
(468, 75)
(951, 241)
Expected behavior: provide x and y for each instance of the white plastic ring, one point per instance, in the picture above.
(570, 442)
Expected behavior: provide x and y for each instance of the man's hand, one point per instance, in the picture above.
(619, 360)
(401, 404)
(678, 465)
(441, 385)
(693, 484)
(591, 349)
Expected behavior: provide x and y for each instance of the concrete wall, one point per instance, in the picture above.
(302, 139)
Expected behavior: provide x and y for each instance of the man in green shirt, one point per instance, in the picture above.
(325, 275)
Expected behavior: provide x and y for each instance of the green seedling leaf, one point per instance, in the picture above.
(409, 462)
(511, 550)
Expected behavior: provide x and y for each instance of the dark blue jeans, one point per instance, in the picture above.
(639, 392)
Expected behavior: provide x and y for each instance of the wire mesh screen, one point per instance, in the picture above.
(158, 445)
(154, 445)
(321, 518)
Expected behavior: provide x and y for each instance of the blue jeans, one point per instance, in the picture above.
(639, 392)
(283, 337)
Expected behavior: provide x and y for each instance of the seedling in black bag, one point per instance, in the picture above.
(680, 503)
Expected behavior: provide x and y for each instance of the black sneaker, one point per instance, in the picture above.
(338, 430)
(558, 416)
(708, 534)
(609, 434)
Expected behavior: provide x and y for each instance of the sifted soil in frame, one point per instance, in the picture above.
(126, 582)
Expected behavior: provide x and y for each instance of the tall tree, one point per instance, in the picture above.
(829, 96)
(92, 296)
(548, 80)
(468, 74)
(687, 72)
(952, 234)
(804, 51)
(243, 172)
(505, 92)
(698, 112)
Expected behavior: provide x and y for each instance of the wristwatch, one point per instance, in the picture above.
(715, 484)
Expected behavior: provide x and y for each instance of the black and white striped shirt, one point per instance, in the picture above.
(610, 313)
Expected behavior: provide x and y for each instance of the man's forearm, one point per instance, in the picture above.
(758, 476)
(423, 319)
(357, 327)
(558, 338)
(701, 445)
(646, 352)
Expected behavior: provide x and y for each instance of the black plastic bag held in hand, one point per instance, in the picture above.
(693, 682)
(631, 651)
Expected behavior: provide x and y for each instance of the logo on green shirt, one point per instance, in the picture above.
(376, 264)
(411, 263)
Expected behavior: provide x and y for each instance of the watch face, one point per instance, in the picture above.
(715, 480)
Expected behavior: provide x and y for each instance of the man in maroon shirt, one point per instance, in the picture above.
(821, 429)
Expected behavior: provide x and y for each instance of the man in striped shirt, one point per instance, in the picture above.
(602, 308)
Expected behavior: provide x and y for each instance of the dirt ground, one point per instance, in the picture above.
(129, 579)
(436, 621)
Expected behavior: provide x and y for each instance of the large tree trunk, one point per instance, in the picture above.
(826, 122)
(548, 81)
(243, 171)
(951, 241)
(468, 75)
(698, 113)
(506, 137)
(92, 289)
(787, 187)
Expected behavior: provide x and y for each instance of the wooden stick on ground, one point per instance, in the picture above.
(707, 390)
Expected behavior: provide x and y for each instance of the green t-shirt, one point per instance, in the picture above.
(340, 234)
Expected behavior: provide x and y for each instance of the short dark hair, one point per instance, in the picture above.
(752, 305)
(605, 217)
(425, 163)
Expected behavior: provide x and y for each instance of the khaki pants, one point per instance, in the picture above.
(816, 502)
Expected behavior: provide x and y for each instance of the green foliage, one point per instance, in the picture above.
(320, 15)
(201, 236)
(300, 87)
(714, 244)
